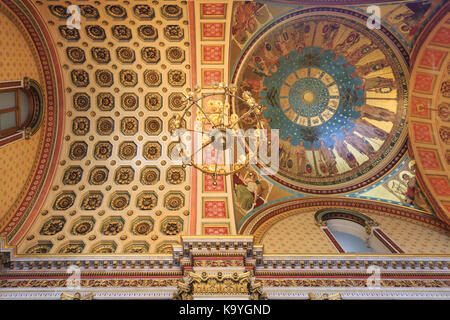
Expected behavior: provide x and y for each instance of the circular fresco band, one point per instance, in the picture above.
(335, 91)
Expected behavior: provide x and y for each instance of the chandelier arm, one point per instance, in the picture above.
(201, 148)
(242, 116)
(206, 116)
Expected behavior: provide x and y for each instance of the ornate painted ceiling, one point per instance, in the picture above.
(338, 93)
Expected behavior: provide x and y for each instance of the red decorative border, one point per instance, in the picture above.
(333, 240)
(428, 29)
(40, 183)
(192, 34)
(268, 212)
(10, 139)
(387, 241)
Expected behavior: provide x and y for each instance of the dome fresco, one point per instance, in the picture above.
(335, 90)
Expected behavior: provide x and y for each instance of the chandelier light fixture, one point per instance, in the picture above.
(216, 144)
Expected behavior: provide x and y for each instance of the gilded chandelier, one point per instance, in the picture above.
(220, 148)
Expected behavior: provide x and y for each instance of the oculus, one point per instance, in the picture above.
(335, 92)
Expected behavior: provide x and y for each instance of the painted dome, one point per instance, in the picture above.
(335, 90)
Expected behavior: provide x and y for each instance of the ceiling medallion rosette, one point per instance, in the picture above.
(78, 150)
(124, 175)
(64, 201)
(81, 101)
(105, 101)
(125, 55)
(53, 226)
(76, 55)
(95, 32)
(83, 226)
(72, 175)
(101, 55)
(98, 175)
(147, 33)
(151, 54)
(336, 92)
(142, 226)
(144, 12)
(105, 126)
(129, 101)
(153, 101)
(116, 11)
(149, 175)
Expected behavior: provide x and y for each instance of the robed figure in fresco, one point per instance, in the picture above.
(248, 191)
(360, 144)
(376, 113)
(368, 130)
(327, 159)
(344, 153)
